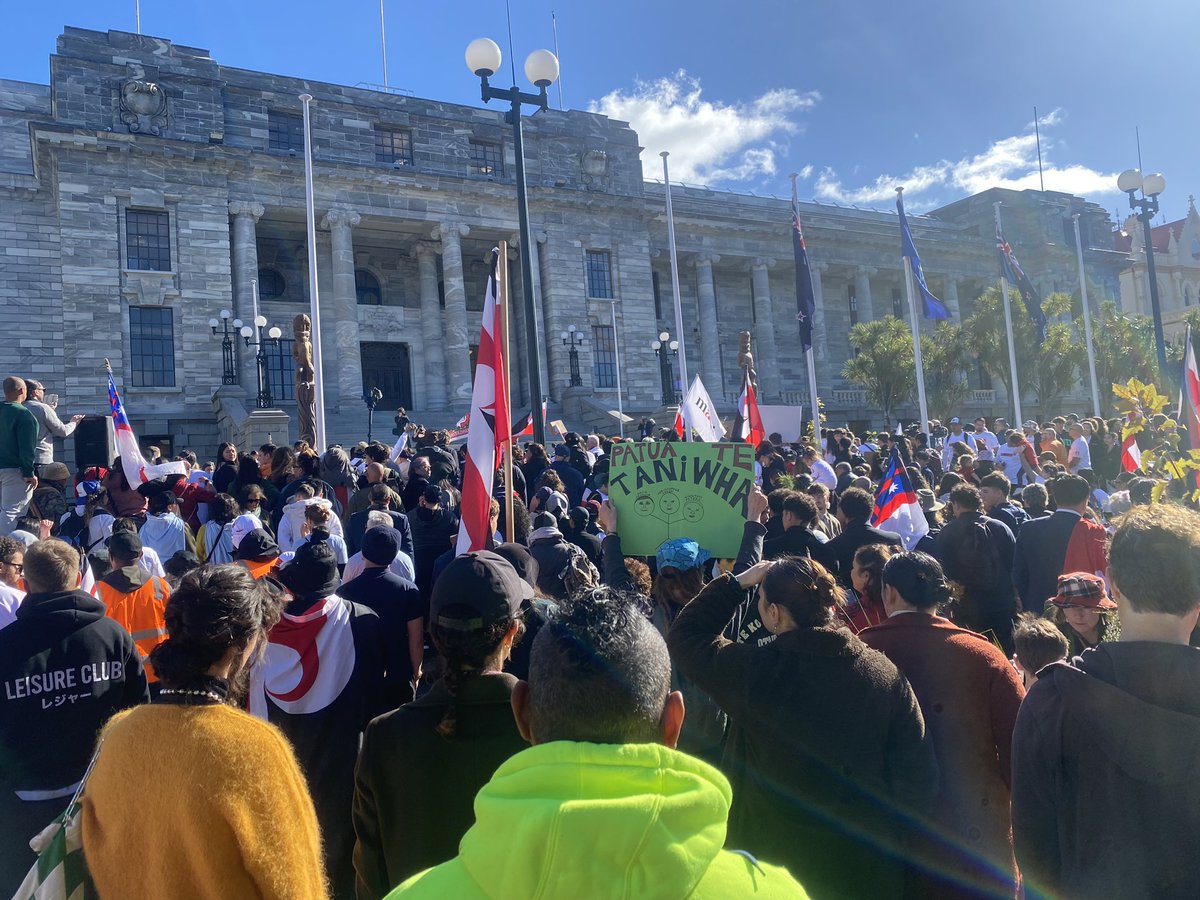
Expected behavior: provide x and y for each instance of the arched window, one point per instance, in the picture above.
(366, 286)
(270, 284)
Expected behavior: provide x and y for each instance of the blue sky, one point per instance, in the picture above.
(857, 96)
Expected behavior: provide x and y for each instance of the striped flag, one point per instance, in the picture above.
(137, 470)
(896, 506)
(1189, 405)
(524, 428)
(748, 427)
(489, 406)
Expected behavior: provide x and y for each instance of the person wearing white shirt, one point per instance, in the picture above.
(986, 443)
(822, 472)
(1080, 454)
(956, 436)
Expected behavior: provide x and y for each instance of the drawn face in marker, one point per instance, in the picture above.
(643, 505)
(693, 511)
(669, 503)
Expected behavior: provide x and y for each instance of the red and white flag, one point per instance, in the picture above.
(897, 508)
(137, 470)
(1190, 396)
(1131, 453)
(525, 429)
(749, 426)
(698, 413)
(489, 406)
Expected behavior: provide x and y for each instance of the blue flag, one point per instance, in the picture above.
(806, 303)
(934, 308)
(1012, 271)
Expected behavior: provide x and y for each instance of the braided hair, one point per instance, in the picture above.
(466, 654)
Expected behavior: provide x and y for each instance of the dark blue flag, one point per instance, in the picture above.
(1011, 270)
(934, 308)
(806, 303)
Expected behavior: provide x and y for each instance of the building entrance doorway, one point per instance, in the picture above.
(387, 366)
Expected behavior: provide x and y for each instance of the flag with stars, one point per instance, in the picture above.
(1011, 270)
(933, 307)
(896, 506)
(806, 303)
(489, 406)
(137, 469)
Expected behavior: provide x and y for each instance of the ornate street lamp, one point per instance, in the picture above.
(573, 341)
(228, 334)
(665, 368)
(1146, 208)
(264, 400)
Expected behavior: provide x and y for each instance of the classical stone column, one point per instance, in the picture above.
(710, 345)
(952, 298)
(245, 214)
(764, 328)
(345, 370)
(862, 293)
(434, 349)
(820, 337)
(458, 348)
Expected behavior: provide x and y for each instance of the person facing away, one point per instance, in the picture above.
(164, 530)
(969, 694)
(601, 805)
(66, 668)
(827, 750)
(854, 513)
(1106, 802)
(1037, 642)
(191, 797)
(436, 753)
(134, 598)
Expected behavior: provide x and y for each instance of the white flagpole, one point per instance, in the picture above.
(617, 363)
(915, 318)
(313, 299)
(383, 43)
(137, 15)
(1012, 349)
(1087, 322)
(683, 374)
(809, 358)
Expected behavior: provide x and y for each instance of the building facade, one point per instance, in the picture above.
(1176, 265)
(147, 188)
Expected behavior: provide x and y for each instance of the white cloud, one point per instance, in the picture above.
(709, 141)
(1010, 162)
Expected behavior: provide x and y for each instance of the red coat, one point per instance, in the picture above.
(969, 694)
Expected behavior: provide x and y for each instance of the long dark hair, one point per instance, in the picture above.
(919, 579)
(804, 588)
(214, 609)
(465, 653)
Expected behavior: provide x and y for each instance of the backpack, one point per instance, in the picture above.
(48, 503)
(978, 561)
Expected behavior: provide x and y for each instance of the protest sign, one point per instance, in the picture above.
(669, 490)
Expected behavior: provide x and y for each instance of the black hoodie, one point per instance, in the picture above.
(65, 668)
(1106, 775)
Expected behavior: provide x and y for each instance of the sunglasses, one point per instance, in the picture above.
(253, 501)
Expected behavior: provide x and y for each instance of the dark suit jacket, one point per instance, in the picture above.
(799, 541)
(356, 527)
(1039, 555)
(855, 535)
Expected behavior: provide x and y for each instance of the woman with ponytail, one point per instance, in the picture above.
(436, 753)
(970, 694)
(827, 752)
(191, 797)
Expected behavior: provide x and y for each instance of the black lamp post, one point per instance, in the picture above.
(666, 370)
(541, 68)
(371, 398)
(1146, 208)
(228, 334)
(574, 340)
(264, 399)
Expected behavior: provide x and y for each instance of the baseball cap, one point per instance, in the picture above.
(956, 421)
(1029, 423)
(125, 544)
(1082, 589)
(485, 587)
(242, 526)
(380, 545)
(520, 559)
(562, 451)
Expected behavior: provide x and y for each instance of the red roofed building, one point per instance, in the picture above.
(1177, 265)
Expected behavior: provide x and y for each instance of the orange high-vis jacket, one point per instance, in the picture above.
(140, 612)
(259, 568)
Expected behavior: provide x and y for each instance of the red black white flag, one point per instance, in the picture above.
(748, 427)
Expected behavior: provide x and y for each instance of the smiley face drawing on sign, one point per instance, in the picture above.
(644, 505)
(693, 510)
(668, 504)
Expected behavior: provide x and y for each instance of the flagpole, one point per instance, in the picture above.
(809, 358)
(509, 523)
(915, 319)
(1087, 322)
(1012, 349)
(683, 373)
(313, 298)
(617, 363)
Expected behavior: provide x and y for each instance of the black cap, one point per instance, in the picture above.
(125, 545)
(380, 545)
(312, 574)
(521, 559)
(483, 582)
(563, 451)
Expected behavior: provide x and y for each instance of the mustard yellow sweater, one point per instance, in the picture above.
(192, 802)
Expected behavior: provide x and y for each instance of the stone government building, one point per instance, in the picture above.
(147, 187)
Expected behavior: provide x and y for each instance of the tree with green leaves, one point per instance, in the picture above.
(1123, 345)
(1047, 370)
(883, 364)
(946, 361)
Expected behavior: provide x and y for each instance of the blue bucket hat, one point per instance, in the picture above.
(681, 554)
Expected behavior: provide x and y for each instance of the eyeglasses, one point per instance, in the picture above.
(18, 566)
(253, 501)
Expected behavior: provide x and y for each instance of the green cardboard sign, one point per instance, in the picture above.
(670, 490)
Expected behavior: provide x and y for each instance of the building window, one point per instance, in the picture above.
(604, 356)
(367, 289)
(151, 346)
(657, 295)
(486, 159)
(897, 306)
(852, 304)
(270, 284)
(599, 274)
(147, 241)
(281, 371)
(393, 145)
(285, 131)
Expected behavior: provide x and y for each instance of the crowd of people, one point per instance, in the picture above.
(274, 677)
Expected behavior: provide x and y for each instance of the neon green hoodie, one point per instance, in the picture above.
(580, 820)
